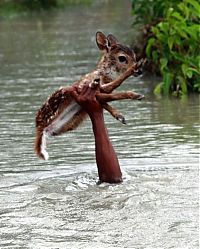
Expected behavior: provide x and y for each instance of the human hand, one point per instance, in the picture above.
(87, 99)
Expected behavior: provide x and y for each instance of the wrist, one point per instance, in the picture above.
(96, 116)
(97, 120)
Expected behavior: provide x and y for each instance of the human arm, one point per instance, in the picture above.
(106, 158)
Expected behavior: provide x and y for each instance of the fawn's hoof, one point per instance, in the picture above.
(121, 119)
(140, 97)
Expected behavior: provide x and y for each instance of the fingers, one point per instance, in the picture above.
(82, 94)
(88, 92)
(84, 89)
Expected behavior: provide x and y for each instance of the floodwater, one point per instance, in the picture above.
(57, 203)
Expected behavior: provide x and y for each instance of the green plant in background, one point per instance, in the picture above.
(173, 44)
(150, 11)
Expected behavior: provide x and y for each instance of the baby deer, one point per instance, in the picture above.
(60, 113)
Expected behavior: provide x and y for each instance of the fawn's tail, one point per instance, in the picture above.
(41, 144)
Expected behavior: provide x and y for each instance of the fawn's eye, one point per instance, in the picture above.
(122, 59)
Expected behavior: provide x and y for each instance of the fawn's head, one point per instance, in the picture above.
(117, 57)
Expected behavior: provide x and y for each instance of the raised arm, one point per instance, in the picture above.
(106, 158)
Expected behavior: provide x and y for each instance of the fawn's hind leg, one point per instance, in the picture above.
(103, 98)
(117, 115)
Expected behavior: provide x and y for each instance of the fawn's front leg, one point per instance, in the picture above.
(109, 87)
(107, 97)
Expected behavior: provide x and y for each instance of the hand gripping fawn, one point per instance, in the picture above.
(61, 113)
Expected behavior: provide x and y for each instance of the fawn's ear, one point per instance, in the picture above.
(112, 40)
(101, 41)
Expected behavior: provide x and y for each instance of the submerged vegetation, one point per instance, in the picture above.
(170, 35)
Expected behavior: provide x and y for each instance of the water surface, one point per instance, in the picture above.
(57, 204)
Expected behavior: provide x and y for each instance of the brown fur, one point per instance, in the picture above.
(110, 64)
